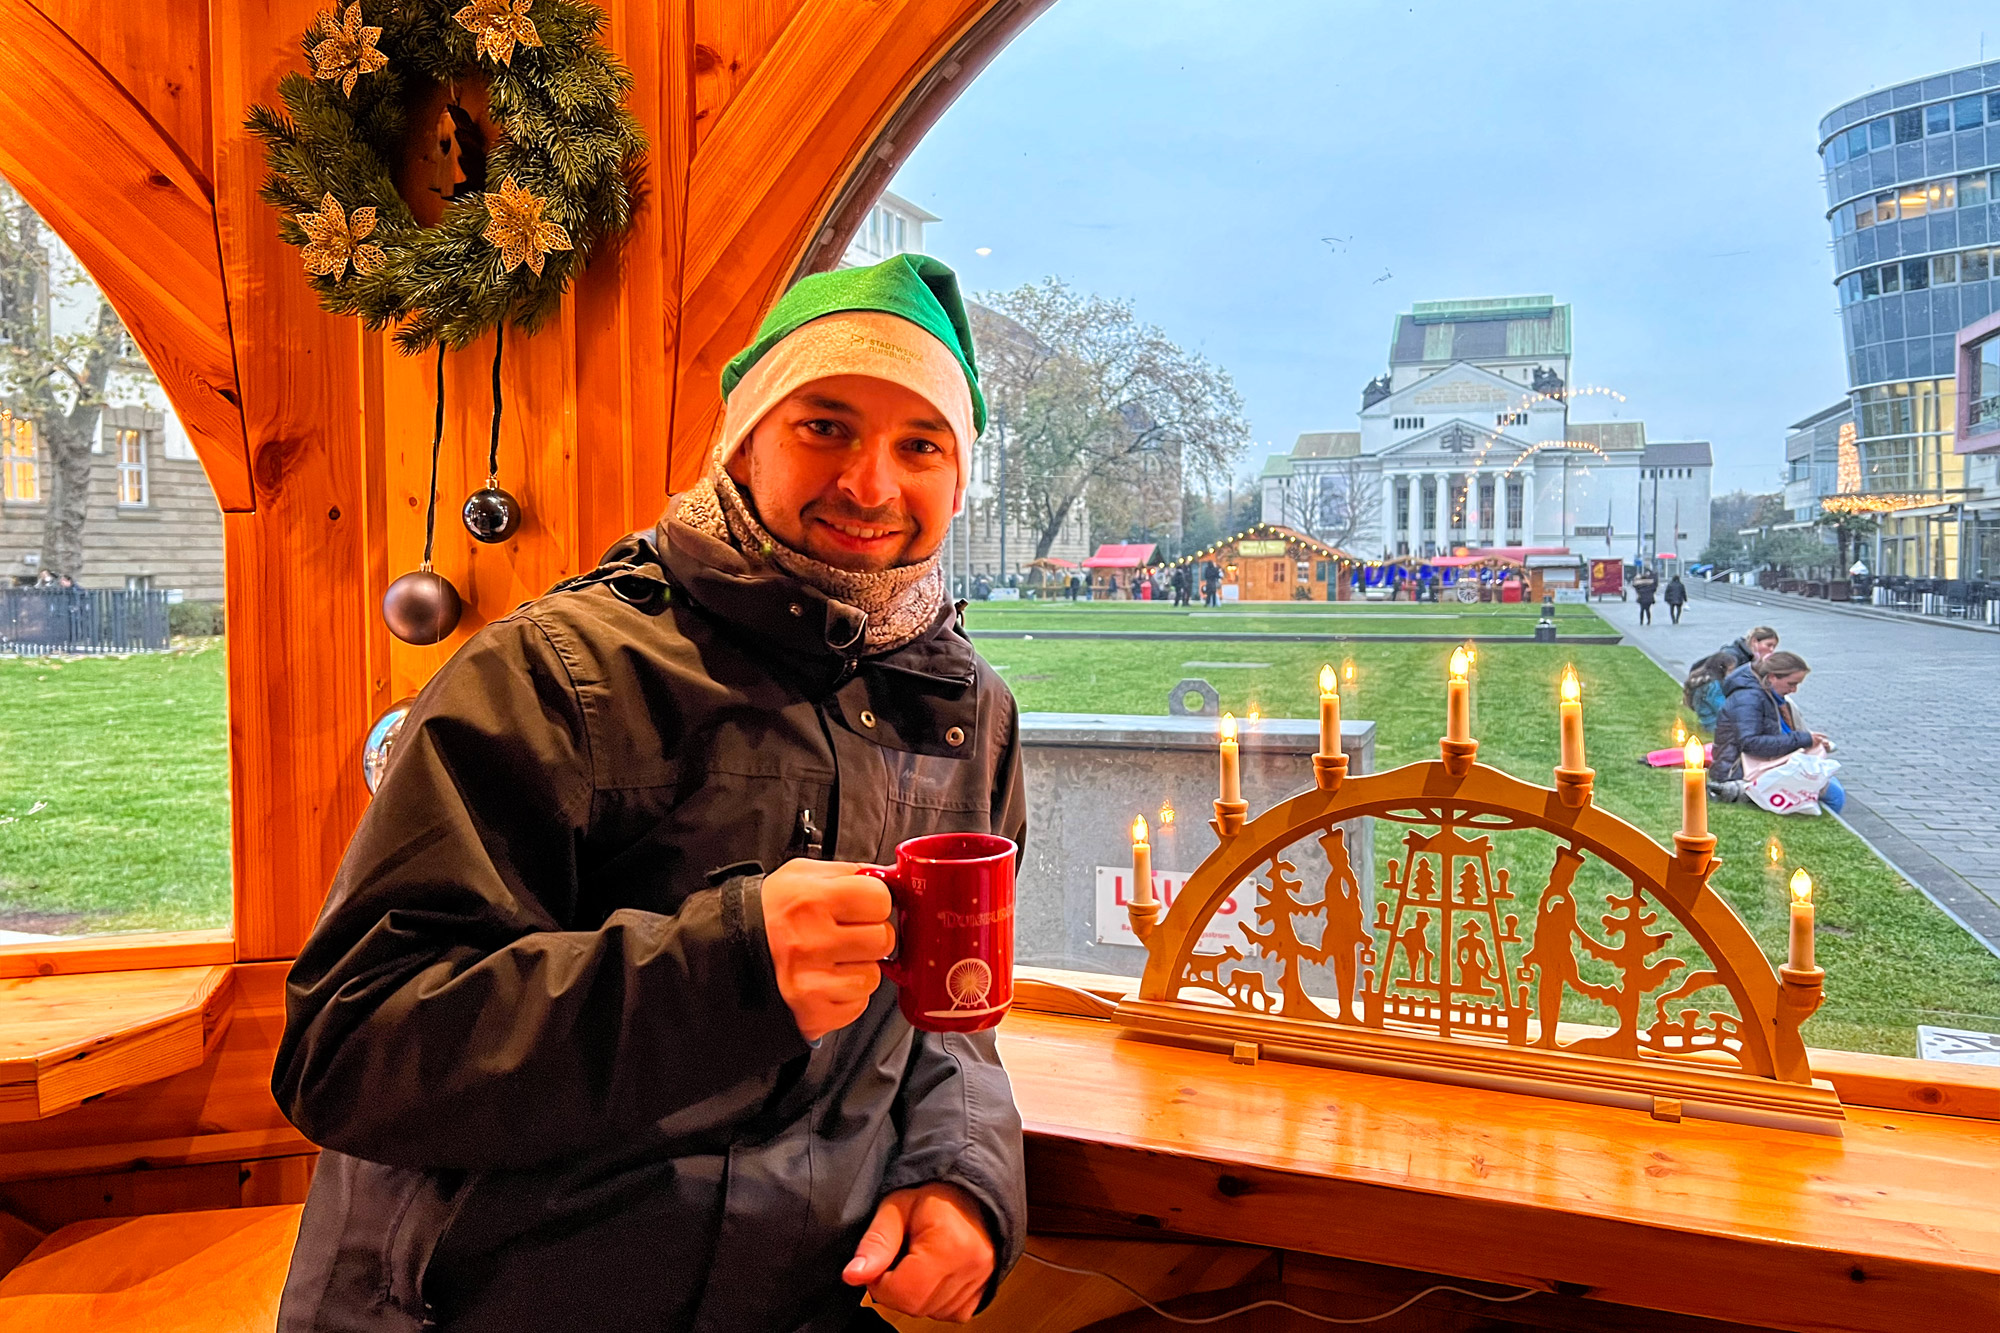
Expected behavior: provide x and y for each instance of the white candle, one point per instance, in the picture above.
(1329, 712)
(1232, 782)
(1801, 957)
(1571, 708)
(1458, 700)
(1142, 865)
(1694, 789)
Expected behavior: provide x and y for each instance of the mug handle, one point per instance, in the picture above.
(892, 966)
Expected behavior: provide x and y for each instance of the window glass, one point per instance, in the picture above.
(1857, 141)
(1885, 207)
(1915, 275)
(1879, 133)
(1973, 266)
(1892, 278)
(1942, 195)
(1871, 282)
(1968, 112)
(20, 470)
(1836, 150)
(1972, 191)
(1864, 213)
(1909, 125)
(1937, 118)
(1911, 202)
(131, 470)
(1944, 268)
(1993, 106)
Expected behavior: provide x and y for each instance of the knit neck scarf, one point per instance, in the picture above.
(899, 604)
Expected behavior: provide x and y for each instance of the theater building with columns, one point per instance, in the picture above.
(1469, 440)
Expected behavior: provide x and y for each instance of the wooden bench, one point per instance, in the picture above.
(217, 1271)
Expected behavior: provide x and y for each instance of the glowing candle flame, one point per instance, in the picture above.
(1229, 726)
(1572, 688)
(1801, 886)
(1348, 671)
(1254, 715)
(1139, 829)
(1694, 754)
(1326, 680)
(1775, 849)
(1459, 663)
(1166, 814)
(1680, 732)
(1471, 654)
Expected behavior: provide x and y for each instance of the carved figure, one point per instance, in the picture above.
(1554, 950)
(1632, 927)
(1347, 934)
(1278, 907)
(1471, 956)
(1415, 943)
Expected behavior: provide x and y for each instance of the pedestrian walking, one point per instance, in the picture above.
(1675, 597)
(1211, 583)
(1643, 588)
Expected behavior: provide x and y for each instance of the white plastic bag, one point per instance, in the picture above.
(1793, 786)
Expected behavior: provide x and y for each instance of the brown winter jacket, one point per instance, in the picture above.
(537, 1028)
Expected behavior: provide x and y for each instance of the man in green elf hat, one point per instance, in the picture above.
(592, 1027)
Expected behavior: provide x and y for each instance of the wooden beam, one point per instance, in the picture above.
(137, 212)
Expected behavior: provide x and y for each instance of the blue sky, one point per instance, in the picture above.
(1652, 165)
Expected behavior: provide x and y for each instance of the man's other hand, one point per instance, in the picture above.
(828, 929)
(935, 1236)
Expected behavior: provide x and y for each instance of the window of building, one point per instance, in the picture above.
(1885, 207)
(1892, 279)
(1942, 195)
(1513, 502)
(20, 471)
(1864, 213)
(1407, 423)
(1427, 504)
(1912, 202)
(138, 583)
(1972, 190)
(1909, 125)
(1871, 282)
(1937, 118)
(1402, 506)
(1993, 106)
(1968, 112)
(1944, 268)
(1916, 275)
(1879, 133)
(131, 469)
(1973, 266)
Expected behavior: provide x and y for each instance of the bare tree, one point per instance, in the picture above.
(55, 379)
(1089, 401)
(1336, 503)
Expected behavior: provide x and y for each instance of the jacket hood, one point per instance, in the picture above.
(1743, 678)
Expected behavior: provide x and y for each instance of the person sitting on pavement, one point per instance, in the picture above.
(1757, 720)
(1755, 646)
(1703, 691)
(1675, 596)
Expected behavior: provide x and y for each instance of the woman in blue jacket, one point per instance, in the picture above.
(1757, 720)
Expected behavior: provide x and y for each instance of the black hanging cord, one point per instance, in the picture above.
(493, 451)
(437, 438)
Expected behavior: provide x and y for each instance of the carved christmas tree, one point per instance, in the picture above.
(1278, 908)
(1631, 925)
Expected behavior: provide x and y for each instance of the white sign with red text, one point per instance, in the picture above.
(1114, 923)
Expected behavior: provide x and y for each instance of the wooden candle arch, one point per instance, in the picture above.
(1671, 1067)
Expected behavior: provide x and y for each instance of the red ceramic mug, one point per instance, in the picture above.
(954, 958)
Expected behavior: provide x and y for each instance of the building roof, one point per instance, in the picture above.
(896, 203)
(1328, 444)
(1679, 453)
(1120, 555)
(1277, 465)
(1266, 532)
(1841, 408)
(1610, 436)
(1437, 332)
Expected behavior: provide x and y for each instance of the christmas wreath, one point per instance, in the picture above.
(449, 166)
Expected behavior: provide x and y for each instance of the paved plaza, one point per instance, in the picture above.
(1913, 710)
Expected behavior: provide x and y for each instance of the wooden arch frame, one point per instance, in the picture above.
(773, 122)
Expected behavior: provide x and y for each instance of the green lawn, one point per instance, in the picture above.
(114, 793)
(1892, 959)
(1344, 618)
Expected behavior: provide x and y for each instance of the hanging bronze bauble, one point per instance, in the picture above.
(491, 514)
(421, 607)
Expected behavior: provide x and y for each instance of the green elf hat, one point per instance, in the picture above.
(901, 320)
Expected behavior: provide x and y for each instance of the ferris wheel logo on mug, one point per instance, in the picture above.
(968, 983)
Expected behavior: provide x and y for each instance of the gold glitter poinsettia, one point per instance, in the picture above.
(335, 240)
(499, 24)
(349, 49)
(515, 224)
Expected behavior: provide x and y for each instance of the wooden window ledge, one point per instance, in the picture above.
(66, 1039)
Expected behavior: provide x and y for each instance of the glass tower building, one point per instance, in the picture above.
(1913, 196)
